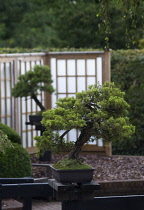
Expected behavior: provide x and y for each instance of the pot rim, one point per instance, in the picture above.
(86, 169)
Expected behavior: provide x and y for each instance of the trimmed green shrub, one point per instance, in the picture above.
(6, 50)
(15, 163)
(12, 134)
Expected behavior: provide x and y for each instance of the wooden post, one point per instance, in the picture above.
(106, 76)
(106, 70)
(108, 149)
(16, 123)
(48, 98)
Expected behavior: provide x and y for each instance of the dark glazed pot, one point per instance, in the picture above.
(73, 176)
(34, 119)
(46, 156)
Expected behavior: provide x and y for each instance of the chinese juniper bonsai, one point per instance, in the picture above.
(98, 113)
(34, 80)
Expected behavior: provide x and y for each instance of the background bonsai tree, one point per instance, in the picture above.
(99, 112)
(37, 79)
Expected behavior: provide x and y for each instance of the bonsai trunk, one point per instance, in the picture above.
(38, 102)
(82, 139)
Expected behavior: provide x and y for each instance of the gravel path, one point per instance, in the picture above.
(106, 168)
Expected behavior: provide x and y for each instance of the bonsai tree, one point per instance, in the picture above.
(99, 112)
(34, 80)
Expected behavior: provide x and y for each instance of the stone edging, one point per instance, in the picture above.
(114, 188)
(120, 187)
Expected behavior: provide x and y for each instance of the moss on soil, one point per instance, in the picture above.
(71, 164)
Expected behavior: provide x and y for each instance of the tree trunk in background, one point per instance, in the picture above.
(38, 102)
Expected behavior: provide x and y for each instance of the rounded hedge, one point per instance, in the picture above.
(15, 163)
(12, 134)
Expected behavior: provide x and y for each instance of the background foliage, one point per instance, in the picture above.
(128, 74)
(68, 23)
(131, 20)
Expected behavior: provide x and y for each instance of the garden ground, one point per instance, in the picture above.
(106, 168)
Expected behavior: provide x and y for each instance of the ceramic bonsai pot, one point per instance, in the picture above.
(73, 176)
(46, 156)
(35, 119)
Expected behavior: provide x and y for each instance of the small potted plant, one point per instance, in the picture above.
(98, 113)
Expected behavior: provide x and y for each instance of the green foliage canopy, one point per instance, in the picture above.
(37, 79)
(99, 112)
(78, 24)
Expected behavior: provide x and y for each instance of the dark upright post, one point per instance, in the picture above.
(27, 203)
